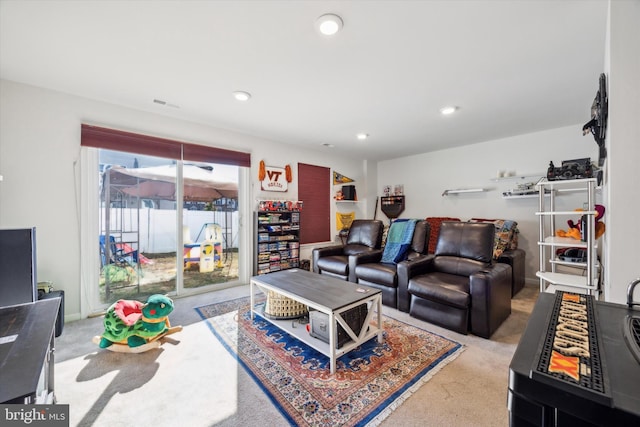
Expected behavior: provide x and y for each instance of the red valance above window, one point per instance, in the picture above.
(112, 139)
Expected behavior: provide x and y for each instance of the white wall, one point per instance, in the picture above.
(427, 175)
(39, 160)
(623, 142)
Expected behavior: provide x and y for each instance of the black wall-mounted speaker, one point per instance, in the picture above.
(349, 192)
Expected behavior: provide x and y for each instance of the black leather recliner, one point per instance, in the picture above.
(384, 276)
(364, 239)
(459, 287)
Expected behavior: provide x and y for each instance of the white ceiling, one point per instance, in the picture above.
(513, 67)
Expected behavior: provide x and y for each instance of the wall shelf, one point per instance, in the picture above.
(524, 190)
(536, 176)
(521, 196)
(463, 190)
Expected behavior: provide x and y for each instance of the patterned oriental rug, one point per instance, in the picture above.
(369, 383)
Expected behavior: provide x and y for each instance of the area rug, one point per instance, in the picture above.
(369, 383)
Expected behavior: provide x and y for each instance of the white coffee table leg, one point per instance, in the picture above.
(332, 342)
(251, 290)
(379, 299)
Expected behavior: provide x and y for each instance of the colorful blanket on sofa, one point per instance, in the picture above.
(506, 235)
(398, 240)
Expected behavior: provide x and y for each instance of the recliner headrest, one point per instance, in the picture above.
(467, 240)
(366, 232)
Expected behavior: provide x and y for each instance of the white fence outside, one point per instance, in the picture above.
(155, 229)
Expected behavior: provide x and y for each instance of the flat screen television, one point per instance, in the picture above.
(18, 281)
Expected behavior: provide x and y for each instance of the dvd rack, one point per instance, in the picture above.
(278, 241)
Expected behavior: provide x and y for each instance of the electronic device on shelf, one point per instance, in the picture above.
(570, 169)
(572, 254)
(524, 189)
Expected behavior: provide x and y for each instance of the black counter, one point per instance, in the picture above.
(535, 400)
(26, 351)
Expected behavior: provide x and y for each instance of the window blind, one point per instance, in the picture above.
(314, 190)
(118, 140)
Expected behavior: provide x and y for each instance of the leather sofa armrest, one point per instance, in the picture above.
(362, 258)
(369, 257)
(490, 290)
(406, 270)
(323, 252)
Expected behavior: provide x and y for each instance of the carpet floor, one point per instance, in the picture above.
(370, 381)
(193, 380)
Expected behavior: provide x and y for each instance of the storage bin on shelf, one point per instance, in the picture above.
(281, 307)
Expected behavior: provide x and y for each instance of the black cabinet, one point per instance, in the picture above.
(574, 390)
(277, 241)
(26, 352)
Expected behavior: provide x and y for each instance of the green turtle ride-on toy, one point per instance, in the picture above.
(134, 327)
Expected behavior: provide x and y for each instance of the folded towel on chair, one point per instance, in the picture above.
(398, 240)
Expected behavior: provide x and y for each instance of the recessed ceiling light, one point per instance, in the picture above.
(329, 24)
(362, 136)
(328, 145)
(448, 110)
(241, 95)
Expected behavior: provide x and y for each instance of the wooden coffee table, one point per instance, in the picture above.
(327, 295)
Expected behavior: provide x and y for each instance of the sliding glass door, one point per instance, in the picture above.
(165, 226)
(210, 225)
